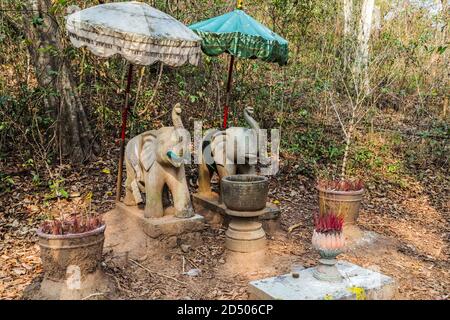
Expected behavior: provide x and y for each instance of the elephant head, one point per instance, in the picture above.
(236, 145)
(169, 146)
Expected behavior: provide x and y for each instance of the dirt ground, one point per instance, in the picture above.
(412, 242)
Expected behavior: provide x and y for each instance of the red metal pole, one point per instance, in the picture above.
(227, 100)
(125, 110)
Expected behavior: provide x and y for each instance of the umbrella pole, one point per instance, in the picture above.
(227, 99)
(125, 109)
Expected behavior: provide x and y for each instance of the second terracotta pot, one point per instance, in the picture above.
(345, 204)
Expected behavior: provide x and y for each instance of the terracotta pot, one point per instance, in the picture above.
(77, 252)
(244, 192)
(345, 204)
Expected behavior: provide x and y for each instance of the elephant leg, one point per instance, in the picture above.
(204, 178)
(247, 169)
(154, 183)
(129, 198)
(180, 193)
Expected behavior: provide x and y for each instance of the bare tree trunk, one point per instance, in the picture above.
(348, 140)
(376, 21)
(348, 11)
(348, 31)
(444, 31)
(53, 74)
(362, 54)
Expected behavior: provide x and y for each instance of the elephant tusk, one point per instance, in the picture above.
(172, 155)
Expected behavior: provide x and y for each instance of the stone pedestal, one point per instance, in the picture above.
(245, 235)
(245, 232)
(129, 231)
(357, 283)
(216, 213)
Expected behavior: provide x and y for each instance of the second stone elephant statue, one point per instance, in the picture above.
(228, 152)
(155, 164)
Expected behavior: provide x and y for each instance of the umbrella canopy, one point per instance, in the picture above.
(140, 33)
(239, 34)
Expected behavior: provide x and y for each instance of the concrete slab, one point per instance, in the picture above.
(127, 233)
(217, 213)
(165, 226)
(358, 283)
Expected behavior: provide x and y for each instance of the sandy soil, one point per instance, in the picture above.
(411, 242)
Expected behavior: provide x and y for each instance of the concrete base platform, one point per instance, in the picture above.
(164, 226)
(217, 213)
(129, 232)
(358, 283)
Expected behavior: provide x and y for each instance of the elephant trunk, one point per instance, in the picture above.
(176, 153)
(252, 122)
(176, 118)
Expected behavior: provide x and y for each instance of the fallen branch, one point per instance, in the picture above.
(157, 273)
(192, 263)
(94, 295)
(295, 226)
(118, 284)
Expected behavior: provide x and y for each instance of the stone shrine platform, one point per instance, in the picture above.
(216, 213)
(165, 226)
(127, 230)
(358, 283)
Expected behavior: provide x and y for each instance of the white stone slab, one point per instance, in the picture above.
(376, 286)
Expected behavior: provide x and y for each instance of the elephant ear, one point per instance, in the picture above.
(148, 151)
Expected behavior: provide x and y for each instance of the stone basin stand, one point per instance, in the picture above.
(245, 197)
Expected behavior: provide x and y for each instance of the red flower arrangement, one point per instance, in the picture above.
(328, 232)
(72, 225)
(329, 223)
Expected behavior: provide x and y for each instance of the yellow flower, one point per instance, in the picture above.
(360, 293)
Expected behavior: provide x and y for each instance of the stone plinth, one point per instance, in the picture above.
(165, 226)
(358, 283)
(128, 231)
(244, 235)
(217, 213)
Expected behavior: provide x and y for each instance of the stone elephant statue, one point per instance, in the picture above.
(155, 165)
(228, 152)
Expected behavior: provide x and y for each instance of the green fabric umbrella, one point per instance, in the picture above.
(241, 36)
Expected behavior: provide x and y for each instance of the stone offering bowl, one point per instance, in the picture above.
(244, 192)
